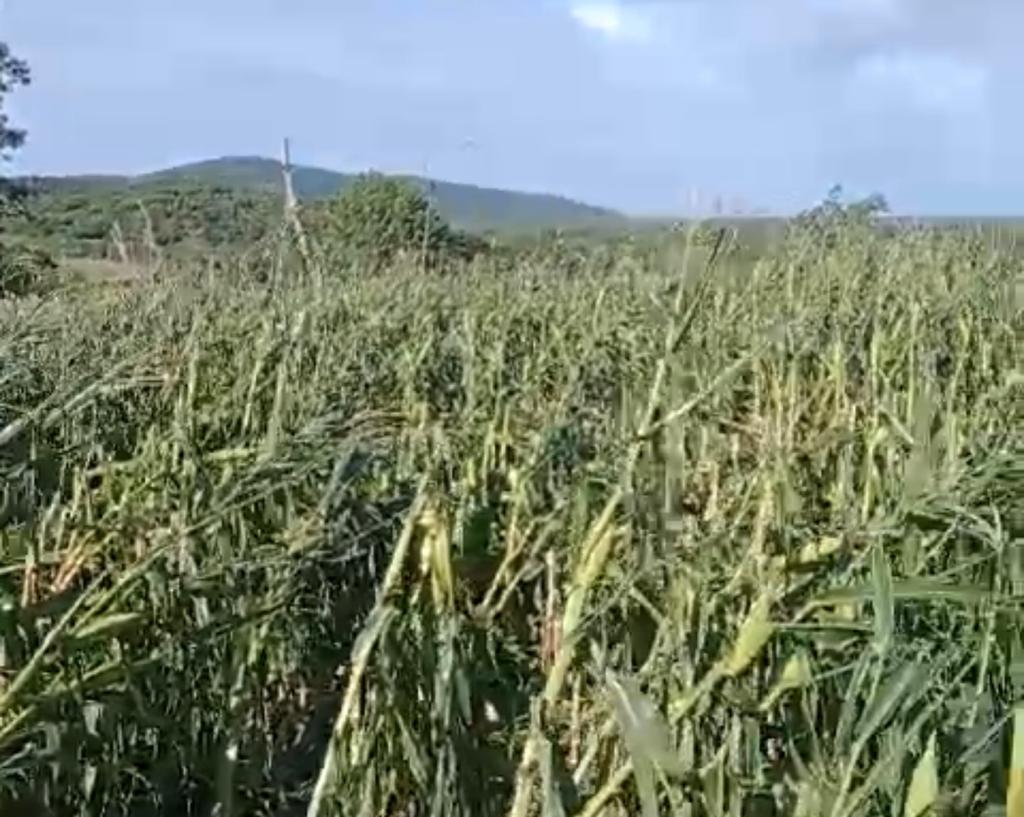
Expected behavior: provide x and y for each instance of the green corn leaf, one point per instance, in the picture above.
(106, 627)
(907, 680)
(923, 791)
(645, 731)
(796, 674)
(1015, 786)
(553, 806)
(852, 702)
(755, 632)
(907, 590)
(885, 611)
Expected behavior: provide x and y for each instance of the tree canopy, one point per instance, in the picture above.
(16, 270)
(379, 217)
(13, 72)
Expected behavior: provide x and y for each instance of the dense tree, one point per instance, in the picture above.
(837, 219)
(377, 218)
(13, 72)
(16, 269)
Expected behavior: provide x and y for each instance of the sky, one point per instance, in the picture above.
(649, 107)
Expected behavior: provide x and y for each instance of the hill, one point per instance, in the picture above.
(103, 217)
(466, 206)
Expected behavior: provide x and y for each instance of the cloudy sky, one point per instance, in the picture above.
(620, 102)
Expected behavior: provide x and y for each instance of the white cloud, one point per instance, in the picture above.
(613, 21)
(940, 83)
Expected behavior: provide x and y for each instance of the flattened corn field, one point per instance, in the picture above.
(659, 538)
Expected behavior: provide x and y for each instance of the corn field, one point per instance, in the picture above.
(672, 536)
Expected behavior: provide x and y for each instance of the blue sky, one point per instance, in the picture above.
(616, 102)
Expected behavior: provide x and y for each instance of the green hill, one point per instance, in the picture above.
(105, 217)
(464, 205)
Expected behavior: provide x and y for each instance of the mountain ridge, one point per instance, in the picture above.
(465, 205)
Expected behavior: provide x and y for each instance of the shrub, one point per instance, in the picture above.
(835, 219)
(379, 218)
(23, 270)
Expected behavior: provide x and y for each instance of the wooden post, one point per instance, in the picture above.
(291, 211)
(290, 202)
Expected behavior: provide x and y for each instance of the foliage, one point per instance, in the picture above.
(18, 269)
(379, 218)
(835, 219)
(744, 540)
(184, 221)
(24, 270)
(466, 206)
(13, 72)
